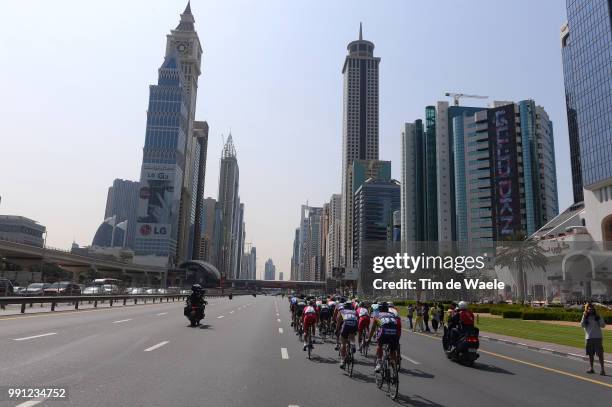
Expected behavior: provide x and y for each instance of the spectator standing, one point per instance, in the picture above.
(418, 323)
(426, 316)
(410, 314)
(592, 324)
(434, 315)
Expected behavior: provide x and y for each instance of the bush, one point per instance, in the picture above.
(512, 314)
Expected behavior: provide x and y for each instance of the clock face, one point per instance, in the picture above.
(182, 47)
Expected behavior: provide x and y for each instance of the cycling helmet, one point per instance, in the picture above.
(462, 305)
(312, 302)
(348, 305)
(196, 287)
(383, 307)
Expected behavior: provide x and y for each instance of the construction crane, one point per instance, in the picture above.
(457, 96)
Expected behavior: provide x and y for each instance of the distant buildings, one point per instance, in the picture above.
(332, 255)
(22, 230)
(586, 42)
(270, 270)
(359, 125)
(281, 276)
(122, 204)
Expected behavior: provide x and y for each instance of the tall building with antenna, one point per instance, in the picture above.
(359, 124)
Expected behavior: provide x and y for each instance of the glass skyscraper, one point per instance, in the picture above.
(587, 64)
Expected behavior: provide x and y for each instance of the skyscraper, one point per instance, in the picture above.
(587, 65)
(163, 165)
(360, 121)
(171, 157)
(207, 250)
(332, 255)
(229, 204)
(122, 202)
(185, 43)
(270, 270)
(295, 257)
(201, 135)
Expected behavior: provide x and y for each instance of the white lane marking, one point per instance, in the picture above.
(280, 330)
(159, 345)
(220, 316)
(277, 314)
(35, 336)
(231, 312)
(122, 320)
(161, 313)
(30, 403)
(293, 405)
(410, 360)
(278, 319)
(284, 353)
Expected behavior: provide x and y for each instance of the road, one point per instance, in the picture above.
(247, 354)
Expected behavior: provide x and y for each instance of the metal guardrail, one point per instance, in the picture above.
(79, 299)
(112, 299)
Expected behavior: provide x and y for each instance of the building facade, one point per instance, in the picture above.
(122, 203)
(269, 270)
(201, 136)
(332, 256)
(587, 66)
(360, 120)
(22, 230)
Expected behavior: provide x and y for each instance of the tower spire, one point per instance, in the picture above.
(188, 8)
(187, 20)
(360, 32)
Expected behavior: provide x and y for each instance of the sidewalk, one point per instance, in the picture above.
(545, 347)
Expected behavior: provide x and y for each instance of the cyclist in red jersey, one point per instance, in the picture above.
(310, 317)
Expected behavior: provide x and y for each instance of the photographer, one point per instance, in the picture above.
(592, 324)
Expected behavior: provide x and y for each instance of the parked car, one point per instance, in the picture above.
(162, 291)
(138, 290)
(63, 288)
(173, 290)
(151, 291)
(110, 289)
(6, 287)
(92, 290)
(35, 289)
(18, 290)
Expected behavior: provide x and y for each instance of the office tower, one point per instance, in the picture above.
(239, 243)
(374, 204)
(295, 258)
(270, 270)
(430, 176)
(360, 120)
(207, 249)
(281, 276)
(359, 172)
(324, 238)
(163, 165)
(504, 170)
(229, 204)
(184, 42)
(587, 64)
(445, 175)
(311, 245)
(200, 133)
(332, 256)
(122, 203)
(253, 264)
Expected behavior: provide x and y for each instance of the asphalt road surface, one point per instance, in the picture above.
(246, 354)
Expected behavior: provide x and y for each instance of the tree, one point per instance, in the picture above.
(522, 253)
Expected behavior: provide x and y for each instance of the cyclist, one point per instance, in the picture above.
(309, 321)
(374, 309)
(299, 309)
(364, 322)
(292, 302)
(337, 310)
(324, 317)
(347, 327)
(387, 332)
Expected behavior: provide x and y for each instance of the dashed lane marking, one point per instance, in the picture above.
(410, 360)
(35, 336)
(284, 353)
(280, 330)
(159, 345)
(122, 320)
(220, 316)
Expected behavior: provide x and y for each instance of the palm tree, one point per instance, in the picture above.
(522, 254)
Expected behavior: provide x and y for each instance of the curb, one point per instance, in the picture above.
(543, 350)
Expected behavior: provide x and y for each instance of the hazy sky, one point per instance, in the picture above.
(74, 85)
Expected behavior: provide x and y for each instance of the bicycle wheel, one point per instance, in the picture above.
(365, 347)
(394, 381)
(350, 360)
(309, 346)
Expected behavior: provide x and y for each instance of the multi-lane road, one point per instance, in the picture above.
(247, 354)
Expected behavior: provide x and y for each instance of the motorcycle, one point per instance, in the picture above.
(194, 313)
(465, 350)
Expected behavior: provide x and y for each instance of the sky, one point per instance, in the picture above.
(75, 78)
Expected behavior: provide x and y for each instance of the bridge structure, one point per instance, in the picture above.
(187, 273)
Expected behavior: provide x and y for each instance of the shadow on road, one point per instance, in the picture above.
(416, 373)
(321, 359)
(416, 401)
(205, 326)
(491, 368)
(360, 377)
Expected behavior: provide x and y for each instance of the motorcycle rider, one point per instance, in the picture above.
(461, 321)
(197, 296)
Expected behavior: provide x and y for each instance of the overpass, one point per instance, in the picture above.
(27, 256)
(286, 285)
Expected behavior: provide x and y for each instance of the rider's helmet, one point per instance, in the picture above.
(196, 288)
(312, 302)
(383, 307)
(348, 305)
(462, 305)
